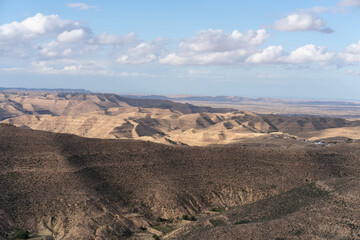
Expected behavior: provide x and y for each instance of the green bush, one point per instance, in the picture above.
(187, 218)
(192, 218)
(163, 228)
(217, 222)
(21, 234)
(156, 237)
(242, 222)
(220, 209)
(160, 219)
(143, 228)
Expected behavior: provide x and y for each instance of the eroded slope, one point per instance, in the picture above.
(321, 210)
(111, 116)
(69, 187)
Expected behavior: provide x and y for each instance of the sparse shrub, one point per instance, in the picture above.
(147, 213)
(192, 218)
(21, 234)
(127, 233)
(242, 222)
(163, 228)
(185, 217)
(220, 209)
(217, 222)
(160, 219)
(143, 228)
(156, 237)
(350, 225)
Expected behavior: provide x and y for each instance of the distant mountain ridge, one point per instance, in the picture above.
(237, 99)
(190, 98)
(68, 90)
(194, 98)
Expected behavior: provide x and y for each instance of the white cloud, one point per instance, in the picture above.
(302, 21)
(353, 48)
(310, 53)
(73, 36)
(75, 68)
(144, 52)
(49, 49)
(12, 69)
(219, 41)
(86, 69)
(33, 27)
(174, 59)
(92, 69)
(220, 48)
(52, 39)
(216, 47)
(209, 58)
(35, 36)
(61, 49)
(112, 39)
(351, 54)
(271, 54)
(349, 3)
(81, 6)
(302, 55)
(317, 9)
(51, 36)
(67, 52)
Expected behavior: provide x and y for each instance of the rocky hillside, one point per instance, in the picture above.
(67, 187)
(321, 210)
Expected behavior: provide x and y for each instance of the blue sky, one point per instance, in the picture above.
(298, 49)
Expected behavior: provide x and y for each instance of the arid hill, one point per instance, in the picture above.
(349, 109)
(321, 210)
(67, 187)
(72, 104)
(111, 116)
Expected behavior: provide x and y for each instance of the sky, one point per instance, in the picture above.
(258, 48)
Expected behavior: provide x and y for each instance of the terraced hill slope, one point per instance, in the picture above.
(111, 116)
